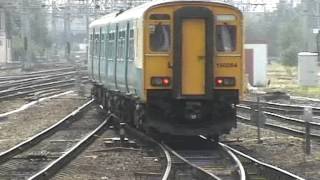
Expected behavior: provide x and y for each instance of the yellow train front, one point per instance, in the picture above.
(171, 67)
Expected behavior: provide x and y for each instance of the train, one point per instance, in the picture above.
(171, 67)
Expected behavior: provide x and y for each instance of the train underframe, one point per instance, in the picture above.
(166, 115)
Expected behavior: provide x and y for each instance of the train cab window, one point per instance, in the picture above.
(226, 38)
(159, 38)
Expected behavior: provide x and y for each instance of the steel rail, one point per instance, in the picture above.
(130, 130)
(305, 98)
(290, 120)
(6, 155)
(278, 128)
(286, 107)
(201, 172)
(32, 89)
(34, 74)
(5, 92)
(12, 83)
(54, 166)
(283, 111)
(270, 171)
(169, 163)
(285, 119)
(21, 94)
(11, 87)
(241, 171)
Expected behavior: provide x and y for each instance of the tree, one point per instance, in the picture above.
(280, 30)
(39, 39)
(290, 35)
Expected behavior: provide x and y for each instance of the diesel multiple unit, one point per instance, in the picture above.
(172, 67)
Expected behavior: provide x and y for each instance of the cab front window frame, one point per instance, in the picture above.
(159, 37)
(226, 38)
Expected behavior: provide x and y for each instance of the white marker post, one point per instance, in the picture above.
(307, 116)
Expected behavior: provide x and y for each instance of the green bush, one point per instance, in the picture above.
(290, 56)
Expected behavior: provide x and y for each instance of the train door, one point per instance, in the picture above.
(193, 52)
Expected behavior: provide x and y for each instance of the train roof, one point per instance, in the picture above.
(139, 11)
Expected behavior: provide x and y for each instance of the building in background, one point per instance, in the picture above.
(5, 43)
(256, 64)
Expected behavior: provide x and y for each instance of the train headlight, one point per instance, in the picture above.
(160, 81)
(225, 81)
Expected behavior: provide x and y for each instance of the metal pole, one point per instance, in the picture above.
(26, 32)
(305, 24)
(67, 30)
(54, 28)
(87, 28)
(307, 118)
(258, 120)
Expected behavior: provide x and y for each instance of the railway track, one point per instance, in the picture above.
(209, 160)
(206, 161)
(156, 160)
(283, 108)
(281, 123)
(7, 85)
(44, 154)
(41, 84)
(35, 74)
(258, 170)
(134, 133)
(201, 158)
(279, 128)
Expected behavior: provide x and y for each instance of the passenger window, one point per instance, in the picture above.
(111, 36)
(97, 47)
(131, 45)
(131, 33)
(159, 38)
(226, 38)
(91, 44)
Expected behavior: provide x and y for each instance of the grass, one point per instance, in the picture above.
(284, 78)
(305, 91)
